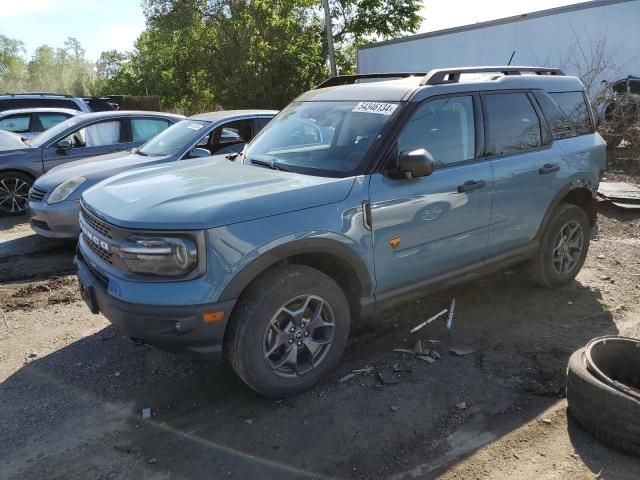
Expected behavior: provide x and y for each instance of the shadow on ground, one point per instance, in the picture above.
(76, 413)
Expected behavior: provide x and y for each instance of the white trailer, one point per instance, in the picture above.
(597, 41)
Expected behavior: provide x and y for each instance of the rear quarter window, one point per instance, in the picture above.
(558, 122)
(574, 105)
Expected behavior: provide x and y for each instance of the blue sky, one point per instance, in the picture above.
(115, 24)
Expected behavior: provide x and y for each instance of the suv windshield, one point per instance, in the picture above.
(48, 135)
(321, 138)
(174, 139)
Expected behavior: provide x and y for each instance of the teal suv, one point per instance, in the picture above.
(368, 191)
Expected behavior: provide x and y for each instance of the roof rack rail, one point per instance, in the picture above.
(38, 93)
(351, 79)
(452, 75)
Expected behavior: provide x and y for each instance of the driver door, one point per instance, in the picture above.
(96, 139)
(433, 225)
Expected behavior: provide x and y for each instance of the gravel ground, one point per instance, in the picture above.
(72, 388)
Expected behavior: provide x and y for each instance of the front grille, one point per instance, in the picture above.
(103, 254)
(96, 223)
(36, 194)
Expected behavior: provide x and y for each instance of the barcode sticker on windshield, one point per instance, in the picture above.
(195, 126)
(375, 107)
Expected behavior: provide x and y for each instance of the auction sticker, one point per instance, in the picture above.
(375, 107)
(195, 126)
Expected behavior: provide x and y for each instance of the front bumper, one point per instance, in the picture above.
(59, 220)
(177, 329)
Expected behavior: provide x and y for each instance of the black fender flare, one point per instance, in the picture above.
(305, 246)
(560, 196)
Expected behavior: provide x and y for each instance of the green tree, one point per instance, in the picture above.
(12, 64)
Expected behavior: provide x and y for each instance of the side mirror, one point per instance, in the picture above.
(199, 153)
(414, 164)
(64, 144)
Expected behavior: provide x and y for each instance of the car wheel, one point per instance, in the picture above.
(563, 247)
(14, 193)
(288, 330)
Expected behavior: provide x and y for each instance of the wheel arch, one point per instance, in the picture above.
(331, 257)
(21, 172)
(579, 196)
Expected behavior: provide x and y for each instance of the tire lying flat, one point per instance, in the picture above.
(603, 411)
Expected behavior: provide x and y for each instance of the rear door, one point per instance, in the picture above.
(98, 138)
(145, 128)
(529, 168)
(429, 226)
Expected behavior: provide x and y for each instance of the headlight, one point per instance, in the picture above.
(168, 256)
(62, 191)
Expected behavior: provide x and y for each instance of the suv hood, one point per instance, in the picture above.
(95, 169)
(207, 194)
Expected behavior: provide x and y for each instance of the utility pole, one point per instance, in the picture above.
(327, 22)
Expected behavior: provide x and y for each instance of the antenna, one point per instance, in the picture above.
(512, 55)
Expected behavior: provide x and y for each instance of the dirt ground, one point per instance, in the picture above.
(72, 388)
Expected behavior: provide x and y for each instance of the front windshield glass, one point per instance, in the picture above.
(321, 138)
(174, 139)
(48, 135)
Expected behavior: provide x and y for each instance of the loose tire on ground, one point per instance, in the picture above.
(606, 413)
(541, 267)
(14, 191)
(252, 326)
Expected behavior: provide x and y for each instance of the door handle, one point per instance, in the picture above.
(549, 168)
(470, 185)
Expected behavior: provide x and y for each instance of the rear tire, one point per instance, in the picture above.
(563, 247)
(288, 330)
(14, 193)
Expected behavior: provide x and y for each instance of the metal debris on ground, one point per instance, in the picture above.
(621, 194)
(426, 358)
(346, 378)
(394, 408)
(146, 413)
(461, 406)
(363, 370)
(462, 352)
(417, 349)
(435, 355)
(428, 321)
(404, 350)
(450, 317)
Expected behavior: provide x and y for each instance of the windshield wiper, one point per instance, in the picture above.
(270, 165)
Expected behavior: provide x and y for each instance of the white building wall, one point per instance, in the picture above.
(562, 39)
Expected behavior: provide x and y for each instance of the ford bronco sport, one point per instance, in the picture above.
(361, 194)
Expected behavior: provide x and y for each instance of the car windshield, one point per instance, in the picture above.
(174, 139)
(48, 135)
(321, 138)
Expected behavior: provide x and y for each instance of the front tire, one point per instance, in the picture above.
(563, 247)
(288, 330)
(14, 193)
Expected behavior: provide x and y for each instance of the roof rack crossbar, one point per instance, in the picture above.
(452, 75)
(351, 79)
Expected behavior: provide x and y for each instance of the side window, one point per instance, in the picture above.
(575, 107)
(556, 119)
(231, 134)
(142, 129)
(97, 135)
(513, 124)
(48, 120)
(445, 127)
(59, 103)
(262, 122)
(16, 123)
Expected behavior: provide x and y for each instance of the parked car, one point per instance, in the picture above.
(54, 203)
(29, 122)
(78, 137)
(619, 112)
(99, 104)
(270, 265)
(13, 101)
